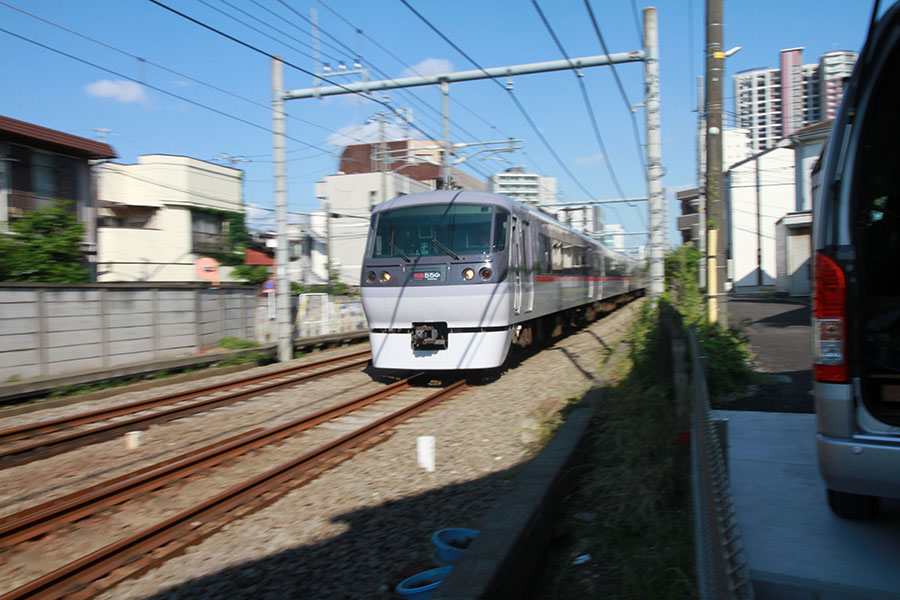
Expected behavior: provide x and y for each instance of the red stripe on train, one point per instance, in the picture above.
(573, 278)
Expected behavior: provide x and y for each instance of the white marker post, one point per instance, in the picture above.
(425, 452)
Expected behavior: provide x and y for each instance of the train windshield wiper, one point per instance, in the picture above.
(397, 248)
(445, 248)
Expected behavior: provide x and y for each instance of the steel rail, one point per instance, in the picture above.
(49, 447)
(80, 578)
(39, 520)
(25, 431)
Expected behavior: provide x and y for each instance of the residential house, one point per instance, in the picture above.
(760, 190)
(157, 217)
(39, 166)
(348, 200)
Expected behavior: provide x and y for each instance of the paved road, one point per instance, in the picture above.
(780, 340)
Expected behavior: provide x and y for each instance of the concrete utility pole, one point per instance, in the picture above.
(445, 105)
(654, 168)
(283, 329)
(715, 186)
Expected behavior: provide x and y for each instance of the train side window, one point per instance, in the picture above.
(556, 256)
(501, 226)
(543, 261)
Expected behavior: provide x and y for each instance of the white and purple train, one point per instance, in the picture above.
(452, 279)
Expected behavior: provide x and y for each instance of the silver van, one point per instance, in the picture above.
(856, 302)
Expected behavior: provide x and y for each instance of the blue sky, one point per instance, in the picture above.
(161, 84)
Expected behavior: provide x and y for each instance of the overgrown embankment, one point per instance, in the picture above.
(628, 529)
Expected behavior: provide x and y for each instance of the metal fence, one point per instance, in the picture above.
(722, 568)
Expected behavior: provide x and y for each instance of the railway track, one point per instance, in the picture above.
(152, 545)
(34, 441)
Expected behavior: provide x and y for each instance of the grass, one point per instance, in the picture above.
(233, 343)
(632, 514)
(628, 528)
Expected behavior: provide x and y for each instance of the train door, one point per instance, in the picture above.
(516, 254)
(601, 272)
(527, 253)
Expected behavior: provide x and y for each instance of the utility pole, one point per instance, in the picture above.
(701, 177)
(283, 328)
(715, 186)
(654, 167)
(328, 245)
(445, 95)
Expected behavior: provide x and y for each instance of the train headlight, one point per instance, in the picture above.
(371, 276)
(385, 276)
(468, 274)
(485, 272)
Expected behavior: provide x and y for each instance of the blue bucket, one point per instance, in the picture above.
(451, 542)
(421, 585)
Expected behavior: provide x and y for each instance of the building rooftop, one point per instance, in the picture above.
(13, 130)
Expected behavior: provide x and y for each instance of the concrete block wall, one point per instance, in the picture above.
(55, 329)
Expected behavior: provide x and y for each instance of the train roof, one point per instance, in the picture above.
(445, 197)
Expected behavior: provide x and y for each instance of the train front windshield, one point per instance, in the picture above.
(453, 230)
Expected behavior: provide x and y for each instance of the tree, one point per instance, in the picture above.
(44, 246)
(252, 274)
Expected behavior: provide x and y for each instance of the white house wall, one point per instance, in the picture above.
(771, 199)
(353, 196)
(807, 155)
(162, 249)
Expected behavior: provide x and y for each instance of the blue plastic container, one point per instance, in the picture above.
(421, 585)
(452, 542)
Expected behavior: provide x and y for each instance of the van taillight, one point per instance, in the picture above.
(829, 319)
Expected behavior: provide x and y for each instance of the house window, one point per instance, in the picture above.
(124, 215)
(208, 233)
(38, 178)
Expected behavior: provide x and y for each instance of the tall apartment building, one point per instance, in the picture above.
(524, 187)
(774, 103)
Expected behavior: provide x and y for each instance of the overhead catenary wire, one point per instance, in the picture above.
(511, 94)
(588, 106)
(628, 108)
(412, 97)
(153, 87)
(257, 30)
(287, 63)
(465, 107)
(169, 70)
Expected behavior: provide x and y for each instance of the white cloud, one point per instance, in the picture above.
(366, 134)
(120, 91)
(589, 160)
(429, 66)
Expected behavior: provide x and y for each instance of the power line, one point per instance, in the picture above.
(512, 95)
(634, 125)
(152, 87)
(637, 22)
(169, 70)
(247, 25)
(295, 26)
(402, 62)
(588, 106)
(412, 98)
(273, 57)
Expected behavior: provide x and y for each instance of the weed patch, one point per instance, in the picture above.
(629, 526)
